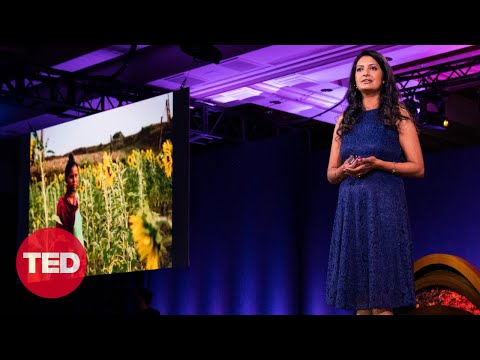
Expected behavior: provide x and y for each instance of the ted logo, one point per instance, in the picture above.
(51, 263)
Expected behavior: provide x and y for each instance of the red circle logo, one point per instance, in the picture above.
(51, 262)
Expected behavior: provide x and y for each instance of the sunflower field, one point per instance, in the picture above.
(125, 200)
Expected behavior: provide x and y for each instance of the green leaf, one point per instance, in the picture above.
(57, 219)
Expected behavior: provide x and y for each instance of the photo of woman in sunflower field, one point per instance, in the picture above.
(121, 168)
(68, 209)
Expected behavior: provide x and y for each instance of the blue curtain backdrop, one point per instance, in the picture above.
(245, 232)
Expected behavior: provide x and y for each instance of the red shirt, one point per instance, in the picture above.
(66, 213)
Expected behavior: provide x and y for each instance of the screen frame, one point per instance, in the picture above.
(180, 181)
(181, 178)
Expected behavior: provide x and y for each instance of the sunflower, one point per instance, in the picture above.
(108, 170)
(98, 182)
(153, 261)
(167, 165)
(109, 175)
(144, 243)
(167, 147)
(167, 158)
(151, 234)
(149, 155)
(131, 161)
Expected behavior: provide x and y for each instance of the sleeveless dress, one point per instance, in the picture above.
(370, 261)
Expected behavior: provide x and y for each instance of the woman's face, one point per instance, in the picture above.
(72, 179)
(368, 75)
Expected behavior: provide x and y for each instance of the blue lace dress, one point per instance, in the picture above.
(370, 261)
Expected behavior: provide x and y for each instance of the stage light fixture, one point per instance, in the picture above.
(433, 120)
(431, 111)
(207, 53)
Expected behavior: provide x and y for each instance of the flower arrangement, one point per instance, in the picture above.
(445, 297)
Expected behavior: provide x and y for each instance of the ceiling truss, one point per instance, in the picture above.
(56, 92)
(442, 76)
(76, 95)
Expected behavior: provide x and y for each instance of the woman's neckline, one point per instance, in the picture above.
(370, 110)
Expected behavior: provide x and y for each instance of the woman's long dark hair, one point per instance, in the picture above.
(390, 104)
(71, 163)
